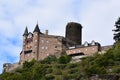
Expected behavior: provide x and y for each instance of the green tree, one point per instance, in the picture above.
(5, 75)
(117, 52)
(64, 59)
(49, 59)
(39, 72)
(29, 64)
(94, 70)
(117, 31)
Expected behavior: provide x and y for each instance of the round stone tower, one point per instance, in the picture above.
(74, 32)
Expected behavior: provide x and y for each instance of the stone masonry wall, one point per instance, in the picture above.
(86, 50)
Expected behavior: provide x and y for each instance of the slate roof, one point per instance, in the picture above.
(37, 29)
(25, 32)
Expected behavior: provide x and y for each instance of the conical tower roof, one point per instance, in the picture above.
(37, 29)
(25, 32)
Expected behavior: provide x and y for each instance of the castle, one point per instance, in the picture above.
(38, 45)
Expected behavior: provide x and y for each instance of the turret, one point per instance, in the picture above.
(25, 37)
(36, 29)
(36, 34)
(74, 32)
(25, 32)
(22, 56)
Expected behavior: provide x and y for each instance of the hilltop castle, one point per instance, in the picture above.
(38, 45)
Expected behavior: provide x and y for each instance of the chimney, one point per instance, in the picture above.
(46, 32)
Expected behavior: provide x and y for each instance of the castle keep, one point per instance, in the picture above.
(38, 45)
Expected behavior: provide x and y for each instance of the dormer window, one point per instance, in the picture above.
(93, 42)
(86, 43)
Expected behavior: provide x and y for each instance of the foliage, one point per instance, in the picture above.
(95, 70)
(39, 72)
(116, 69)
(64, 59)
(117, 31)
(117, 52)
(29, 64)
(49, 60)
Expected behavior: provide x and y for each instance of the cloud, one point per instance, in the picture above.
(98, 20)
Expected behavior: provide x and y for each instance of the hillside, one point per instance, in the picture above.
(52, 68)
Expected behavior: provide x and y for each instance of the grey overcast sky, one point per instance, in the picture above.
(96, 16)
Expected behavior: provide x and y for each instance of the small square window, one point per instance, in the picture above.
(35, 40)
(28, 55)
(42, 47)
(46, 47)
(55, 46)
(42, 41)
(47, 54)
(47, 41)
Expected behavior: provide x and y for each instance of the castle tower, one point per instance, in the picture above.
(22, 55)
(74, 32)
(25, 34)
(36, 33)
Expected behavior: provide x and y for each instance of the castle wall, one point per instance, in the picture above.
(49, 45)
(10, 67)
(88, 50)
(22, 57)
(40, 47)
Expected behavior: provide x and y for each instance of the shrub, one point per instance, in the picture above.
(64, 59)
(49, 77)
(116, 70)
(29, 64)
(57, 71)
(49, 60)
(72, 65)
(49, 70)
(39, 71)
(61, 66)
(94, 70)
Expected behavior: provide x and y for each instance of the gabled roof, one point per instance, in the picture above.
(37, 29)
(25, 32)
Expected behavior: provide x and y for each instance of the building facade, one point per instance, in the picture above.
(38, 45)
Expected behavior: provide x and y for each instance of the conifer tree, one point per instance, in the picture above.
(117, 31)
